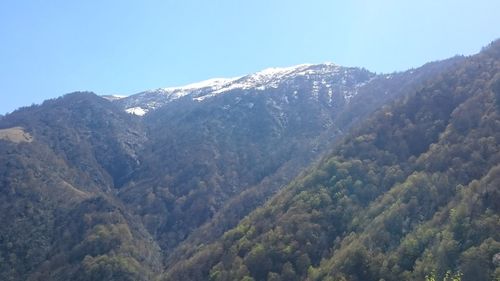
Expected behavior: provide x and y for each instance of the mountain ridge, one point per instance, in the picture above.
(108, 195)
(400, 198)
(143, 102)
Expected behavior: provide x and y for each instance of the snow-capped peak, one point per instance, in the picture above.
(325, 75)
(273, 72)
(268, 77)
(215, 83)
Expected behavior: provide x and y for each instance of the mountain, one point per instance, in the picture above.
(187, 183)
(252, 140)
(325, 78)
(234, 149)
(411, 193)
(60, 219)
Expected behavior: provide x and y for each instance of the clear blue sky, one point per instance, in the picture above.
(52, 47)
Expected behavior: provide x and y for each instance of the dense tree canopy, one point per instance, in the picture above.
(411, 193)
(405, 186)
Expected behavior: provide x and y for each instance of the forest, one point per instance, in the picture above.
(412, 193)
(400, 182)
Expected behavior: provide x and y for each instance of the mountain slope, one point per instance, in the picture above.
(411, 192)
(372, 95)
(234, 149)
(60, 220)
(92, 191)
(224, 145)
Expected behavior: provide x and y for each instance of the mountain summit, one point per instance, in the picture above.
(328, 77)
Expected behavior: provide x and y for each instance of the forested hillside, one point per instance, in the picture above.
(60, 220)
(413, 192)
(313, 172)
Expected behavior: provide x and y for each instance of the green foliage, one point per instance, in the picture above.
(411, 194)
(109, 268)
(449, 276)
(495, 87)
(55, 202)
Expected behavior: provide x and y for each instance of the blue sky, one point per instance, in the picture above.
(52, 47)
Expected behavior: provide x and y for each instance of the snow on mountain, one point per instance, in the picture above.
(113, 97)
(136, 111)
(328, 77)
(215, 83)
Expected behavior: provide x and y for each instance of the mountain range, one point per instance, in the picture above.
(310, 172)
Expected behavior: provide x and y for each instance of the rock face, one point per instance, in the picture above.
(122, 188)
